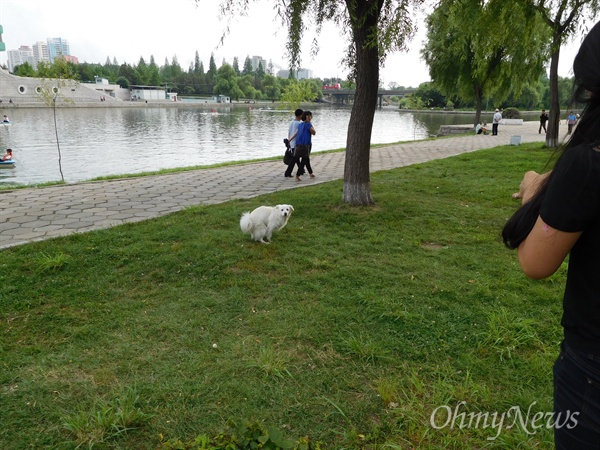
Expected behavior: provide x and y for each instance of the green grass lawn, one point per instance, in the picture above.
(356, 327)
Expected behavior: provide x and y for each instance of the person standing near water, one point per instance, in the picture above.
(495, 122)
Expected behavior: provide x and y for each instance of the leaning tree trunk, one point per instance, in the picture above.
(554, 116)
(478, 101)
(357, 184)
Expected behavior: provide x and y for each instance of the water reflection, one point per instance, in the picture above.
(109, 141)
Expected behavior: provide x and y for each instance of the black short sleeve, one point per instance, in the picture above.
(572, 201)
(572, 205)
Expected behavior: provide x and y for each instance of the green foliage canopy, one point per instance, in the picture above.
(563, 19)
(471, 53)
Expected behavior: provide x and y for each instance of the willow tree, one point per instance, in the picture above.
(373, 28)
(50, 92)
(564, 19)
(484, 48)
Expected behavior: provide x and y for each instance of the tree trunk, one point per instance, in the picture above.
(478, 101)
(554, 115)
(357, 184)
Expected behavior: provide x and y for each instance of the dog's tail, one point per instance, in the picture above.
(246, 223)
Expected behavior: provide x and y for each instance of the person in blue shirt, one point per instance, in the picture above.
(304, 144)
(571, 121)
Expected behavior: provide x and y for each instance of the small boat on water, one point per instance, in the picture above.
(6, 124)
(10, 164)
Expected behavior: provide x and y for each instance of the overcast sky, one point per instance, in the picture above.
(130, 29)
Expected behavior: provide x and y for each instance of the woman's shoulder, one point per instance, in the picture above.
(582, 159)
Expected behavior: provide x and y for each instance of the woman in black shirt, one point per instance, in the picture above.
(563, 218)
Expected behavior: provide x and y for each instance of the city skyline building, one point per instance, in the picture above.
(301, 74)
(58, 47)
(40, 52)
(22, 55)
(258, 60)
(52, 48)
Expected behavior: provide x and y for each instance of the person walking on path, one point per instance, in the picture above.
(496, 121)
(304, 144)
(560, 220)
(292, 131)
(571, 121)
(543, 119)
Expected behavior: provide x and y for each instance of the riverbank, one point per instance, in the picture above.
(136, 104)
(32, 214)
(258, 104)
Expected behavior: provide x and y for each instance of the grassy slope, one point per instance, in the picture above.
(351, 328)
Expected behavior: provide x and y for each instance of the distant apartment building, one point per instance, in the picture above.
(71, 58)
(57, 47)
(40, 51)
(258, 60)
(304, 74)
(301, 74)
(20, 56)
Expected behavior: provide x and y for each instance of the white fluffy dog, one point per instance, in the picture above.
(261, 222)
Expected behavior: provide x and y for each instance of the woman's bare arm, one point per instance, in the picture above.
(544, 250)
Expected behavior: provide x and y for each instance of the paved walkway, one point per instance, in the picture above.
(34, 214)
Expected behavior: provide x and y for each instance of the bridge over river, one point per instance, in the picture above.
(344, 96)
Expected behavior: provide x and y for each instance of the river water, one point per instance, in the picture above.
(114, 141)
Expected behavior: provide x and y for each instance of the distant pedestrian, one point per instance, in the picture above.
(543, 119)
(292, 131)
(571, 121)
(496, 121)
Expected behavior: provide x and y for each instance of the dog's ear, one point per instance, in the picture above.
(291, 207)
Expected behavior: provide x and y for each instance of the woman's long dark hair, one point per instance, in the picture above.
(586, 68)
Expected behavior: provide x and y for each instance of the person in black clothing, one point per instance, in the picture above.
(543, 120)
(563, 218)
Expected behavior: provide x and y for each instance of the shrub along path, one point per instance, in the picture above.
(34, 214)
